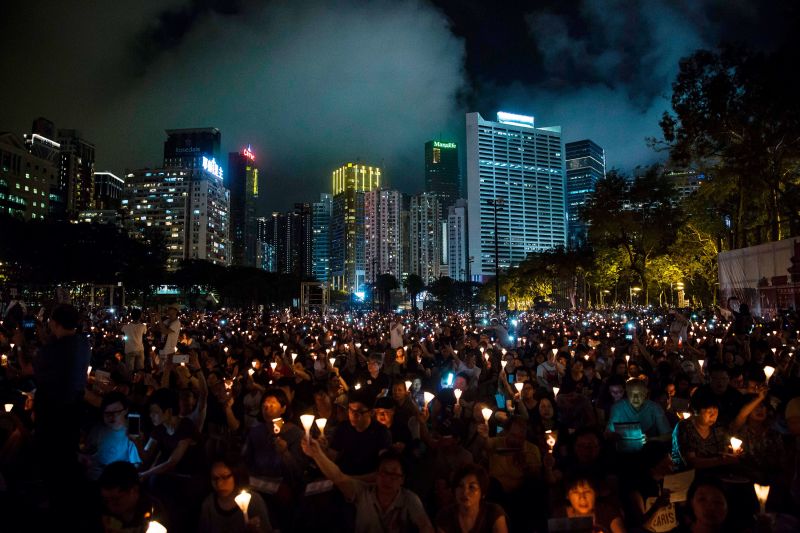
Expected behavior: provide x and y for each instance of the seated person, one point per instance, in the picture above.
(698, 442)
(220, 511)
(636, 408)
(356, 444)
(108, 442)
(512, 459)
(471, 512)
(125, 506)
(381, 506)
(582, 501)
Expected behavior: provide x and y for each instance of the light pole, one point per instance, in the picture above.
(497, 204)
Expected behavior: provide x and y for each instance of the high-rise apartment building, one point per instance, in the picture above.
(586, 164)
(190, 207)
(108, 189)
(515, 172)
(300, 240)
(442, 176)
(321, 238)
(77, 171)
(350, 182)
(242, 182)
(457, 265)
(425, 236)
(383, 246)
(264, 250)
(26, 177)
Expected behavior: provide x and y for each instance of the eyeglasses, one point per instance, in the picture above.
(224, 477)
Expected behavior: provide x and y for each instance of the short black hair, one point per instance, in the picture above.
(119, 475)
(703, 398)
(114, 397)
(278, 394)
(66, 315)
(392, 455)
(472, 470)
(165, 399)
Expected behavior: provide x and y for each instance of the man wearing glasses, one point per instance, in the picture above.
(109, 442)
(380, 506)
(355, 446)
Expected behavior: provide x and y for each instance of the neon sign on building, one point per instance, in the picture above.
(211, 166)
(248, 153)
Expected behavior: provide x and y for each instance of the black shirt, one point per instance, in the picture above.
(358, 451)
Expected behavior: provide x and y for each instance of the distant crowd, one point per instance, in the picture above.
(120, 420)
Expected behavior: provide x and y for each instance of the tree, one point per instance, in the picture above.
(640, 219)
(736, 117)
(413, 285)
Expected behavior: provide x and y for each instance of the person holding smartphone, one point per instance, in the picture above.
(108, 441)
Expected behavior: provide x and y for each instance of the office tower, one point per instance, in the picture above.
(586, 164)
(190, 207)
(264, 251)
(516, 171)
(458, 267)
(26, 177)
(442, 175)
(405, 236)
(242, 182)
(350, 182)
(321, 238)
(685, 180)
(193, 148)
(425, 237)
(382, 234)
(77, 171)
(108, 190)
(277, 239)
(300, 240)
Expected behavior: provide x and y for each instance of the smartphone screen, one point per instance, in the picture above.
(512, 379)
(134, 424)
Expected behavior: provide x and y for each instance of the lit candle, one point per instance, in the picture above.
(273, 365)
(762, 493)
(307, 421)
(358, 386)
(627, 359)
(551, 440)
(251, 371)
(487, 414)
(321, 424)
(701, 361)
(428, 397)
(503, 364)
(555, 391)
(614, 349)
(243, 501)
(294, 356)
(89, 371)
(408, 385)
(519, 386)
(9, 407)
(686, 415)
(155, 527)
(769, 370)
(457, 393)
(736, 444)
(332, 360)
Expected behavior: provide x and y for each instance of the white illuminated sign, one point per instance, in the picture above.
(517, 120)
(212, 166)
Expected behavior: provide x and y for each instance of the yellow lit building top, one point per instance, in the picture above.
(357, 177)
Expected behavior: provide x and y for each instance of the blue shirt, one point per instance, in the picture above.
(650, 417)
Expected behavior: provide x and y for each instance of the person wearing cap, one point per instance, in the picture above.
(384, 414)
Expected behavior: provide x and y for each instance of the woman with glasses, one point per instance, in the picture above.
(221, 513)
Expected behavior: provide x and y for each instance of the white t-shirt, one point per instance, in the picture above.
(396, 335)
(172, 337)
(133, 336)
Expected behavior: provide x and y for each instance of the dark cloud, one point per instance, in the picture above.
(313, 84)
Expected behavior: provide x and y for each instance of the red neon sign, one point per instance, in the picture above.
(248, 153)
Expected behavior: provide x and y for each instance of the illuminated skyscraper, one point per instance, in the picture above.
(383, 246)
(515, 164)
(350, 182)
(321, 238)
(26, 177)
(457, 241)
(77, 171)
(189, 206)
(425, 236)
(586, 164)
(442, 176)
(186, 148)
(242, 181)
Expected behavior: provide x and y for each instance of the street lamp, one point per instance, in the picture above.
(497, 204)
(634, 290)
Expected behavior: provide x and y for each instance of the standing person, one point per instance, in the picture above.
(170, 329)
(396, 332)
(134, 347)
(60, 370)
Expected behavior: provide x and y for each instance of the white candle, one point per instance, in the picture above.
(294, 356)
(487, 414)
(701, 361)
(251, 371)
(9, 407)
(555, 391)
(686, 415)
(332, 360)
(243, 501)
(277, 423)
(155, 527)
(503, 364)
(457, 393)
(551, 440)
(769, 370)
(428, 397)
(321, 424)
(736, 444)
(519, 386)
(307, 421)
(762, 493)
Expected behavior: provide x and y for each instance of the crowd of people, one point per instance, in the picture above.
(612, 420)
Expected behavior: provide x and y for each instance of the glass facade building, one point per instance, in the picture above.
(586, 164)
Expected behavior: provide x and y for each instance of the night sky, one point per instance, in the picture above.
(313, 84)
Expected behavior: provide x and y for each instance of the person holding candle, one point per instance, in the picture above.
(125, 505)
(355, 446)
(582, 502)
(471, 513)
(764, 457)
(380, 506)
(220, 512)
(699, 442)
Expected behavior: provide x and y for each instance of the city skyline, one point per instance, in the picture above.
(270, 75)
